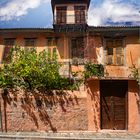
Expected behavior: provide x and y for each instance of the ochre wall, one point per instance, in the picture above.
(62, 49)
(94, 52)
(132, 50)
(93, 47)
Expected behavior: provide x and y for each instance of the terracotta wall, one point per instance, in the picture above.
(93, 49)
(37, 112)
(133, 107)
(70, 111)
(93, 105)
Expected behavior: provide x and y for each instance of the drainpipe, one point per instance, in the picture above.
(139, 89)
(139, 74)
(1, 125)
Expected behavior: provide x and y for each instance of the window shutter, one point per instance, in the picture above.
(119, 55)
(115, 52)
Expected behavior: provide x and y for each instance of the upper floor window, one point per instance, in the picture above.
(80, 16)
(30, 41)
(61, 14)
(77, 48)
(9, 43)
(114, 52)
(51, 41)
(52, 46)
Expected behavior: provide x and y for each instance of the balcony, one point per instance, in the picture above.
(69, 24)
(117, 71)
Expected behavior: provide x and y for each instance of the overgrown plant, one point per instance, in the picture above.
(92, 69)
(135, 73)
(31, 70)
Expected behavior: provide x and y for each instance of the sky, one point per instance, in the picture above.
(38, 13)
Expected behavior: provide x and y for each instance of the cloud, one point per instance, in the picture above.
(17, 8)
(113, 11)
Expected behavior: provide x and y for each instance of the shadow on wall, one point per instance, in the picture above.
(36, 105)
(94, 96)
(92, 49)
(134, 90)
(137, 99)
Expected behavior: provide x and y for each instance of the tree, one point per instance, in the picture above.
(31, 70)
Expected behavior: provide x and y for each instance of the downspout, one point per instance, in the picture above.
(139, 89)
(1, 125)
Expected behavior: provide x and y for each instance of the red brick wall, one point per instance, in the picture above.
(38, 112)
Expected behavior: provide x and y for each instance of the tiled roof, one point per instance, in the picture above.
(89, 28)
(27, 29)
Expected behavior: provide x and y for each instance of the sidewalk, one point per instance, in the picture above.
(68, 136)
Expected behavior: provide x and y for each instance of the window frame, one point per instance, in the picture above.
(115, 55)
(61, 14)
(10, 39)
(77, 48)
(8, 43)
(80, 14)
(31, 40)
(52, 47)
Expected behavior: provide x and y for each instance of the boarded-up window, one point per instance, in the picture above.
(61, 14)
(114, 52)
(80, 14)
(9, 43)
(30, 42)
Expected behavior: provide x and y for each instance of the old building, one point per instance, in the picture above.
(110, 102)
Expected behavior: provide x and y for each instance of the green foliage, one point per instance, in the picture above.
(31, 70)
(135, 73)
(93, 70)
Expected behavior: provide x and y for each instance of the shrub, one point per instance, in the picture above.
(30, 70)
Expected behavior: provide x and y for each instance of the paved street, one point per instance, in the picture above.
(69, 136)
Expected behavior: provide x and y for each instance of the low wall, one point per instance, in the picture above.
(26, 111)
(35, 111)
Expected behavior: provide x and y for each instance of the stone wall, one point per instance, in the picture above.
(35, 111)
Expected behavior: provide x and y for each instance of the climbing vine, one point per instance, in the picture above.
(135, 73)
(92, 69)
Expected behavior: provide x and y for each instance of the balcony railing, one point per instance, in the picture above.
(69, 19)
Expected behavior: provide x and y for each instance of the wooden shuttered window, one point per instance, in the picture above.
(61, 15)
(114, 52)
(80, 16)
(77, 47)
(52, 46)
(8, 43)
(30, 42)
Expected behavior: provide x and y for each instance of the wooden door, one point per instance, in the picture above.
(113, 104)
